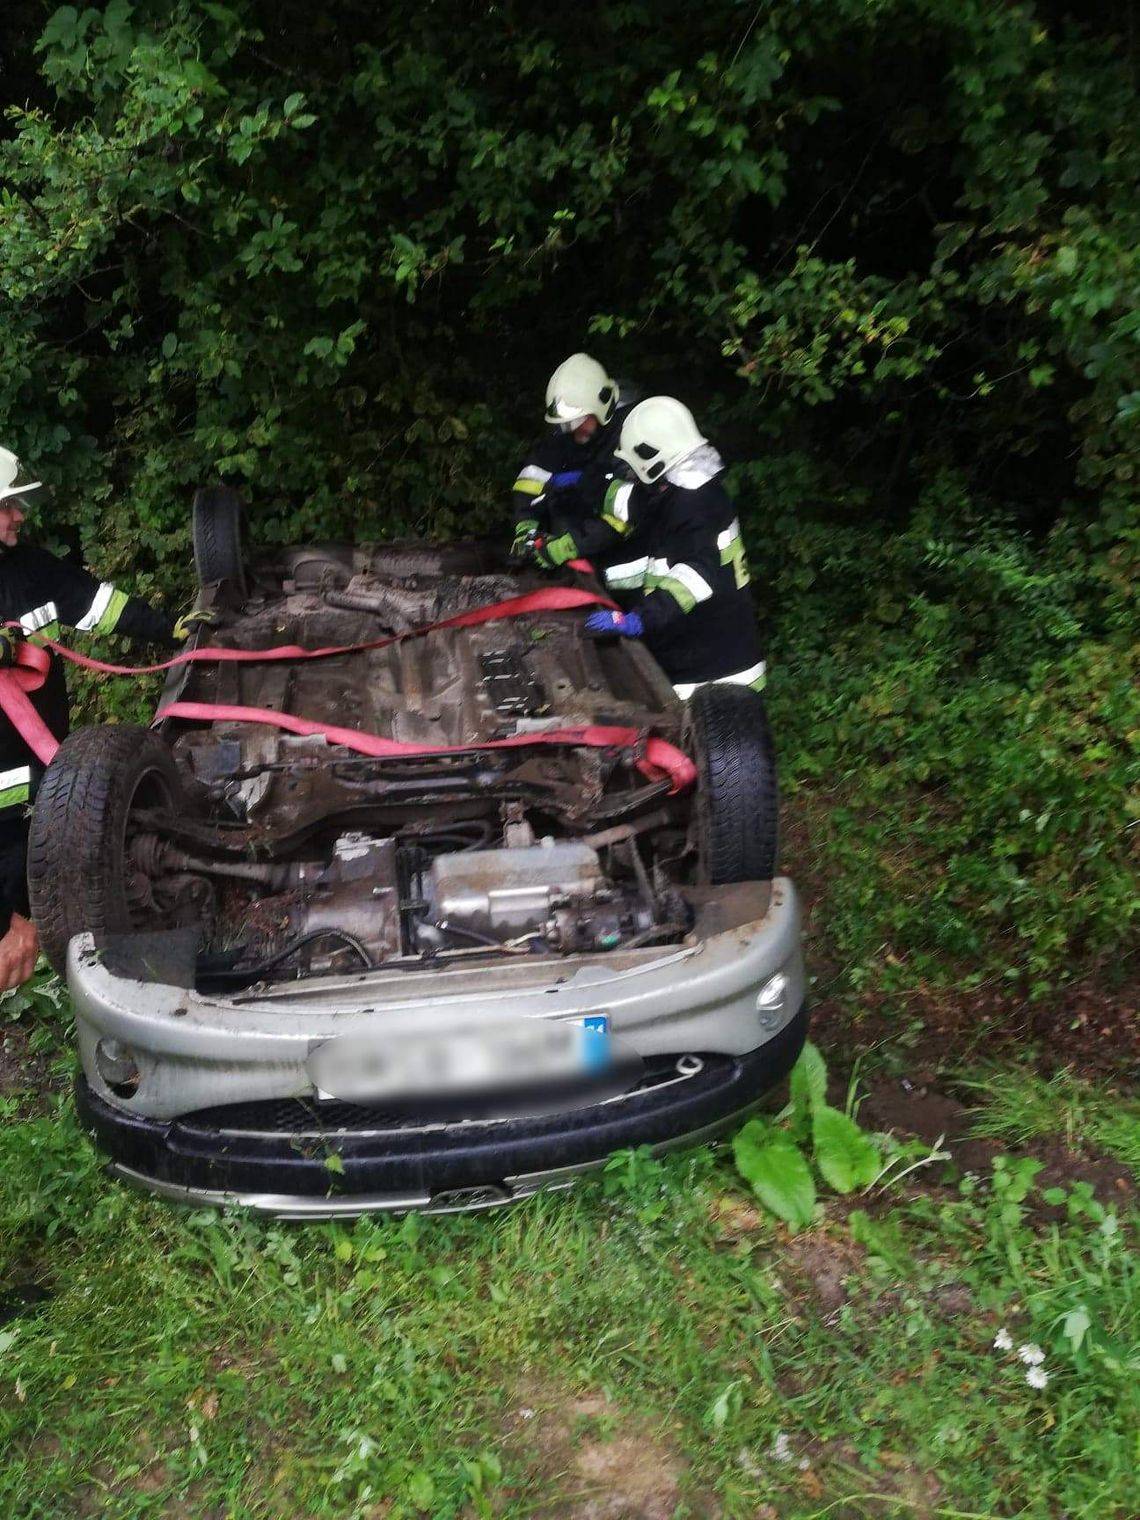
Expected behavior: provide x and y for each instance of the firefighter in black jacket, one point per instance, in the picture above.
(565, 475)
(44, 594)
(682, 575)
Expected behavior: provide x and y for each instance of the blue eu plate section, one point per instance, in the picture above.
(596, 1054)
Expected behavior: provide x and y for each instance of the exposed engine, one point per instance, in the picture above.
(418, 900)
(549, 892)
(378, 901)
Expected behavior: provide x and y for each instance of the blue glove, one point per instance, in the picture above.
(564, 480)
(601, 624)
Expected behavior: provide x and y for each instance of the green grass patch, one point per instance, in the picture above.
(650, 1335)
(1021, 1108)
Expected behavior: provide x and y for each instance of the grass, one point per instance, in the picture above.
(1021, 1108)
(649, 1341)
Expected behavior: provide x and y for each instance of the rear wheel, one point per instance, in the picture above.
(735, 823)
(79, 875)
(217, 530)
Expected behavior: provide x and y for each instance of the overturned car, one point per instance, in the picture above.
(412, 896)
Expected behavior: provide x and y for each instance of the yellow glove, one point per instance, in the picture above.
(197, 617)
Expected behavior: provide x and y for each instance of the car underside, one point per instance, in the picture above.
(529, 903)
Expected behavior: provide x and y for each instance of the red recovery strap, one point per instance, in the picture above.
(18, 707)
(657, 758)
(548, 599)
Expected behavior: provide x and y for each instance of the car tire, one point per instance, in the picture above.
(217, 531)
(77, 864)
(736, 812)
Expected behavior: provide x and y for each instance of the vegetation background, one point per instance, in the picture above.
(889, 251)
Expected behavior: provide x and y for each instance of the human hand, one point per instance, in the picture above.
(19, 951)
(9, 645)
(197, 617)
(552, 552)
(600, 625)
(525, 533)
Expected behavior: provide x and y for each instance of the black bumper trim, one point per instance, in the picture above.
(189, 1153)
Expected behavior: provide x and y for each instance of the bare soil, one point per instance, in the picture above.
(908, 1110)
(590, 1460)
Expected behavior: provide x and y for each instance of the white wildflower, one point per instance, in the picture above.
(781, 1447)
(1003, 1341)
(745, 1460)
(1031, 1355)
(1037, 1377)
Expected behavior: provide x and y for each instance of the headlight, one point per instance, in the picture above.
(116, 1065)
(771, 995)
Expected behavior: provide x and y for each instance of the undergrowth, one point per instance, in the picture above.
(877, 1362)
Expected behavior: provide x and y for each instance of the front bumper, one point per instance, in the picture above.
(209, 1068)
(263, 1158)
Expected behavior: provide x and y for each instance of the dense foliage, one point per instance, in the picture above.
(887, 250)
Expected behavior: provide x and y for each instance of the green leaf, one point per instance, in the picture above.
(843, 1153)
(808, 1088)
(60, 31)
(333, 1163)
(170, 345)
(773, 1164)
(421, 1489)
(1076, 1326)
(1066, 260)
(293, 103)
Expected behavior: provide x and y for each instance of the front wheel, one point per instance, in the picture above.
(80, 878)
(735, 828)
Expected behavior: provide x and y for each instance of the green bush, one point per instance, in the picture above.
(889, 252)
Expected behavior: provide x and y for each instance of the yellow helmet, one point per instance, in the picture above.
(577, 389)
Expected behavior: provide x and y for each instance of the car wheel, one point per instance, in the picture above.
(735, 820)
(218, 521)
(79, 876)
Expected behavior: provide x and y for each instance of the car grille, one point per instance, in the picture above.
(305, 1117)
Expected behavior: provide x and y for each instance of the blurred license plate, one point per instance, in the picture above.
(512, 1054)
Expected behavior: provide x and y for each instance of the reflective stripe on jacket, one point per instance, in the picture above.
(683, 559)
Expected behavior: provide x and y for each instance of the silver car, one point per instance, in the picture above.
(529, 918)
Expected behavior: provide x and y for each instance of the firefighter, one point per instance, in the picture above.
(43, 594)
(683, 576)
(564, 479)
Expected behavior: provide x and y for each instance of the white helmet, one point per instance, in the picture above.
(580, 388)
(12, 479)
(658, 433)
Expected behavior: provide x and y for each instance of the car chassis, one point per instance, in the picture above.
(318, 982)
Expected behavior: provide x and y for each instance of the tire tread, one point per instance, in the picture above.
(739, 808)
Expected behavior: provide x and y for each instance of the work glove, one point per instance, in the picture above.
(600, 625)
(197, 617)
(552, 552)
(526, 532)
(9, 643)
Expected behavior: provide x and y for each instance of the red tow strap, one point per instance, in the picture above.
(18, 706)
(657, 759)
